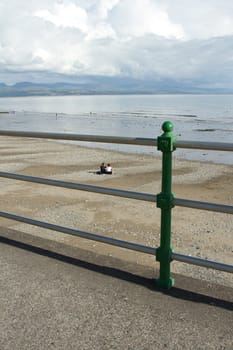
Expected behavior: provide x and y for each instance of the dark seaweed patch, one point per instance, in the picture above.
(206, 130)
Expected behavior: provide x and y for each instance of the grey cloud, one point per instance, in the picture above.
(34, 48)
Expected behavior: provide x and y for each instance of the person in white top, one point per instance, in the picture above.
(108, 169)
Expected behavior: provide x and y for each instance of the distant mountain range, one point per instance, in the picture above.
(87, 85)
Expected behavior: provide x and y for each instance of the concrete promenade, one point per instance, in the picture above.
(54, 296)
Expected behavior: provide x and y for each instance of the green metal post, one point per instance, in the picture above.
(165, 203)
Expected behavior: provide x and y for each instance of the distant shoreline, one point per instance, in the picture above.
(105, 93)
(98, 85)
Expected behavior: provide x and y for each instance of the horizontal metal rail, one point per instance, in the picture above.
(119, 243)
(217, 146)
(75, 137)
(119, 193)
(202, 262)
(214, 146)
(221, 208)
(103, 239)
(81, 187)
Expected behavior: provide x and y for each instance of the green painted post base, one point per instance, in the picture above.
(165, 283)
(164, 257)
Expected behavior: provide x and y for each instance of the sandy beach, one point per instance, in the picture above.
(194, 232)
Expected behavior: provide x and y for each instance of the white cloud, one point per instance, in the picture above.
(103, 7)
(69, 15)
(144, 17)
(202, 19)
(177, 39)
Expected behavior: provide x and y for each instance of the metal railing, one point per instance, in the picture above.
(165, 200)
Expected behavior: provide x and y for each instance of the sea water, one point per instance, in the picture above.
(195, 117)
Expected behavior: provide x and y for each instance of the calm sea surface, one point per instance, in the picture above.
(195, 117)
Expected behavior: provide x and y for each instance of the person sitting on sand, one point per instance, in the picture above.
(102, 168)
(108, 169)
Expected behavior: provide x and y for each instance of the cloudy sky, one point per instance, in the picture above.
(184, 40)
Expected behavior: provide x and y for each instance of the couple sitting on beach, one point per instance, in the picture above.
(105, 169)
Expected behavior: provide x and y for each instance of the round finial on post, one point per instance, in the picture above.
(167, 126)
